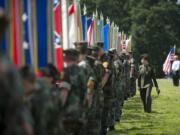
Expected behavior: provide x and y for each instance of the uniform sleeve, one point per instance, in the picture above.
(139, 78)
(154, 78)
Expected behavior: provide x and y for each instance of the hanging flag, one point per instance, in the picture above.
(106, 37)
(84, 27)
(118, 46)
(72, 26)
(27, 32)
(123, 42)
(65, 24)
(41, 21)
(84, 24)
(57, 34)
(101, 30)
(90, 33)
(95, 36)
(14, 34)
(129, 44)
(78, 20)
(168, 63)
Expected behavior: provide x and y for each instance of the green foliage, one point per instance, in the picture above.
(163, 120)
(153, 24)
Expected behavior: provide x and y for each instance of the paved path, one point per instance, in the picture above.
(164, 119)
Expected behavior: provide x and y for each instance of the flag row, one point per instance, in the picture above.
(39, 30)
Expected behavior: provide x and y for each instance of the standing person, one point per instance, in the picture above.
(132, 75)
(145, 83)
(72, 93)
(176, 70)
(14, 117)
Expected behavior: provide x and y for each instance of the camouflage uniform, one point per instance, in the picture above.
(95, 111)
(132, 77)
(119, 90)
(73, 85)
(127, 78)
(14, 116)
(15, 119)
(108, 119)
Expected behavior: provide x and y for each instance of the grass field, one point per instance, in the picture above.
(164, 119)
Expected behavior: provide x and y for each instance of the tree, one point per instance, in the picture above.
(153, 24)
(155, 29)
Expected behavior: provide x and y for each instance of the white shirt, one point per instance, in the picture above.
(176, 66)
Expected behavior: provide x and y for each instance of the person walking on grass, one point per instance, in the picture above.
(176, 70)
(146, 79)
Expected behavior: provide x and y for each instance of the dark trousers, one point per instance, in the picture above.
(146, 98)
(176, 78)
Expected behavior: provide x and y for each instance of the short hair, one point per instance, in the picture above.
(27, 73)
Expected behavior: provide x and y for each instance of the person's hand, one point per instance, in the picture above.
(158, 91)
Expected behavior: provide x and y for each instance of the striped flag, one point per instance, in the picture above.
(27, 32)
(168, 62)
(90, 33)
(57, 34)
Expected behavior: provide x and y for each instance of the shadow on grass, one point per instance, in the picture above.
(125, 131)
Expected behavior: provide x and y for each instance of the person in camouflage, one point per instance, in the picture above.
(118, 85)
(14, 116)
(52, 76)
(72, 93)
(126, 76)
(133, 75)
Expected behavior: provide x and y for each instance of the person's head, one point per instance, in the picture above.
(28, 78)
(82, 48)
(95, 51)
(175, 57)
(3, 22)
(70, 57)
(145, 60)
(50, 74)
(101, 48)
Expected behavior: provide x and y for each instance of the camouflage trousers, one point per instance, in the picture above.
(133, 86)
(108, 114)
(93, 122)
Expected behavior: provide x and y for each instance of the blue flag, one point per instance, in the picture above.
(41, 17)
(27, 45)
(101, 31)
(106, 37)
(84, 28)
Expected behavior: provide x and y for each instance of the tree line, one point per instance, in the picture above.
(153, 24)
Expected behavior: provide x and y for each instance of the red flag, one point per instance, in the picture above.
(57, 34)
(14, 33)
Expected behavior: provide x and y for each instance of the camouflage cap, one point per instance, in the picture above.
(91, 59)
(81, 47)
(70, 54)
(100, 44)
(95, 48)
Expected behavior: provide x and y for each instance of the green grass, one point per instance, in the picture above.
(164, 119)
